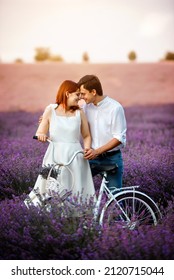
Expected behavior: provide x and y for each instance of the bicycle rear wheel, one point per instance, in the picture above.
(130, 209)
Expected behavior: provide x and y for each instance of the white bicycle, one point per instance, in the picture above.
(127, 207)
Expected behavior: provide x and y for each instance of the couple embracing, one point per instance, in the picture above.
(100, 124)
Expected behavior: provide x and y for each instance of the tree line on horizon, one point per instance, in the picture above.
(43, 54)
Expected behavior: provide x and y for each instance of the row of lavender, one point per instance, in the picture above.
(149, 162)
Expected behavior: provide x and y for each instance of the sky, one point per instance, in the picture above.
(106, 29)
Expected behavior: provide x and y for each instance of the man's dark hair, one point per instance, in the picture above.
(91, 82)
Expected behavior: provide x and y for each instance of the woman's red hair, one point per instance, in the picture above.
(61, 97)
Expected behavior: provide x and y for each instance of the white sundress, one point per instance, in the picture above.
(65, 136)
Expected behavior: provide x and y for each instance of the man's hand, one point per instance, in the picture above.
(90, 154)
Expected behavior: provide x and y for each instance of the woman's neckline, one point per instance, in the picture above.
(63, 114)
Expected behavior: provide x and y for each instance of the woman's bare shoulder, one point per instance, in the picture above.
(48, 110)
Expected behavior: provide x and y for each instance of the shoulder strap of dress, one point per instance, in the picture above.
(78, 115)
(53, 107)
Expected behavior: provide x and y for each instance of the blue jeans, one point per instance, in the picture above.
(115, 180)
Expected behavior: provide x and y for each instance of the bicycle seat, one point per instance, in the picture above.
(101, 168)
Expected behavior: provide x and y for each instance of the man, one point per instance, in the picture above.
(108, 128)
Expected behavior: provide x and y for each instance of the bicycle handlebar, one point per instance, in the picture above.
(72, 158)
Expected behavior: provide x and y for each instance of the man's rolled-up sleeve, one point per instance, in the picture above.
(118, 126)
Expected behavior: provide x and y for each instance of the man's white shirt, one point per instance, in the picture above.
(107, 121)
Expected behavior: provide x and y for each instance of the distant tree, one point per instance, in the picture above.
(132, 56)
(85, 57)
(56, 58)
(169, 56)
(19, 60)
(42, 54)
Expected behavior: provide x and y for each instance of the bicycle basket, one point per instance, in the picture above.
(45, 171)
(53, 185)
(53, 188)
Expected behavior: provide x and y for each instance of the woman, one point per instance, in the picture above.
(67, 125)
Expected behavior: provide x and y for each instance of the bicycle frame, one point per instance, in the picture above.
(104, 189)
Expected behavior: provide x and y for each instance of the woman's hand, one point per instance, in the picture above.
(42, 137)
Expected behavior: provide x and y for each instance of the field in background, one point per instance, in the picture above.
(38, 234)
(31, 87)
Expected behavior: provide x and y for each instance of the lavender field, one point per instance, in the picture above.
(37, 234)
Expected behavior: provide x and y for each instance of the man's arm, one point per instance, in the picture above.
(118, 129)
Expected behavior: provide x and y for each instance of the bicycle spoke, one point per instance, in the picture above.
(131, 210)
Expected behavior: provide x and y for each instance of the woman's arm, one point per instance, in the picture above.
(44, 125)
(85, 131)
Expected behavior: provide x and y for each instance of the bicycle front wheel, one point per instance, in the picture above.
(130, 209)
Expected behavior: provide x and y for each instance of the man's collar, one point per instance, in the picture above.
(102, 101)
